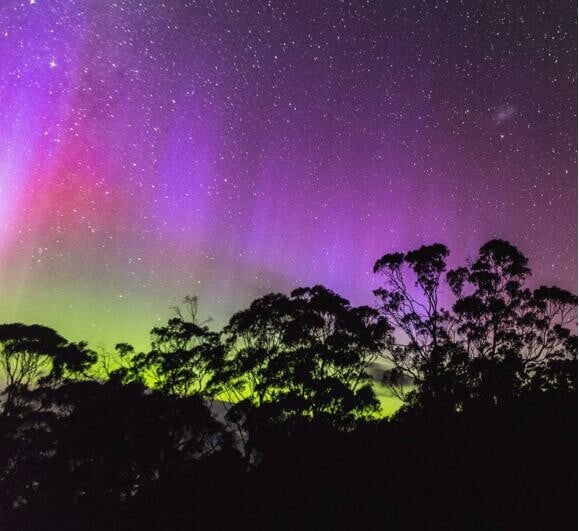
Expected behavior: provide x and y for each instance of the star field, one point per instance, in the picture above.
(150, 150)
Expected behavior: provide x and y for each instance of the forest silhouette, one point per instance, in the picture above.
(273, 422)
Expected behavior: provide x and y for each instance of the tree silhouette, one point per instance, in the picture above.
(29, 353)
(486, 438)
(93, 447)
(508, 333)
(499, 339)
(332, 346)
(414, 309)
(301, 357)
(183, 357)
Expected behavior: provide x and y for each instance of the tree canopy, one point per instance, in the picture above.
(276, 415)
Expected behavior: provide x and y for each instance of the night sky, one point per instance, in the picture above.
(152, 149)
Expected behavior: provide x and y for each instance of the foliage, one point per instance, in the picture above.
(498, 341)
(29, 353)
(486, 439)
(303, 356)
(183, 357)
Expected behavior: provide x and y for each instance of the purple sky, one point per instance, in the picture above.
(150, 150)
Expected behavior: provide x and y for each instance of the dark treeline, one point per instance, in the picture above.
(273, 423)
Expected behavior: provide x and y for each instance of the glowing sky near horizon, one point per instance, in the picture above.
(150, 150)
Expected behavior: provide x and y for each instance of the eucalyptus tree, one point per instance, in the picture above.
(30, 354)
(499, 339)
(302, 357)
(410, 301)
(183, 357)
(512, 335)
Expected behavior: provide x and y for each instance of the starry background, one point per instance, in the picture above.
(152, 149)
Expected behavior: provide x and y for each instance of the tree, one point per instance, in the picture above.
(249, 379)
(410, 301)
(184, 354)
(499, 340)
(509, 334)
(301, 357)
(88, 449)
(333, 344)
(29, 353)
